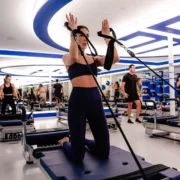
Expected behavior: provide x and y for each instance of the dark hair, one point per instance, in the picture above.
(40, 85)
(138, 79)
(131, 66)
(177, 78)
(82, 27)
(6, 77)
(31, 91)
(117, 83)
(56, 80)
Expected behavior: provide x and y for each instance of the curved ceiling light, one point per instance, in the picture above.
(44, 28)
(43, 18)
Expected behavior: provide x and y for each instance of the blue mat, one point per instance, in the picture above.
(167, 109)
(10, 116)
(14, 123)
(160, 120)
(173, 122)
(59, 166)
(49, 136)
(109, 115)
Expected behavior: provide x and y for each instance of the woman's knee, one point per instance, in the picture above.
(104, 153)
(138, 104)
(130, 105)
(78, 157)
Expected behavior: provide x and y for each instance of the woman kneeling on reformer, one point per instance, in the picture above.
(7, 94)
(85, 100)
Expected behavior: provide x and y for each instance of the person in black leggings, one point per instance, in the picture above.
(85, 100)
(8, 91)
(58, 91)
(116, 91)
(178, 85)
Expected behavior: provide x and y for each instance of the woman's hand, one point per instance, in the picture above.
(126, 95)
(105, 27)
(72, 21)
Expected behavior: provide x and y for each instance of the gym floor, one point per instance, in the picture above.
(163, 151)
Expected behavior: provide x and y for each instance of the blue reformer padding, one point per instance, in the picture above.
(50, 135)
(173, 122)
(45, 105)
(14, 123)
(134, 107)
(109, 115)
(167, 109)
(63, 109)
(10, 116)
(60, 167)
(122, 105)
(160, 120)
(108, 100)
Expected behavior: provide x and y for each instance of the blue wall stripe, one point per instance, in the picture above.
(29, 54)
(58, 56)
(34, 76)
(163, 47)
(137, 62)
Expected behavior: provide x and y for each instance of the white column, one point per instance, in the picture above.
(111, 91)
(22, 87)
(69, 88)
(99, 80)
(171, 74)
(50, 92)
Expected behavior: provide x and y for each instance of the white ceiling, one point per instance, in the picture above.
(125, 17)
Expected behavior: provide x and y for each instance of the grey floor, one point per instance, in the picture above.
(13, 166)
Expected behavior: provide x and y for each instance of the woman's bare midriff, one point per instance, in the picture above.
(84, 81)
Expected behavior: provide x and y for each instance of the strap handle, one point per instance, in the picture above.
(110, 50)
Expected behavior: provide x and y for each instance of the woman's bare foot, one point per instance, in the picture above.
(61, 142)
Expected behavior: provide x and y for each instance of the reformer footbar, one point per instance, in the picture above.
(76, 31)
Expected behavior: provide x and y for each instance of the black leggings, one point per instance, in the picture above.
(86, 103)
(8, 100)
(116, 96)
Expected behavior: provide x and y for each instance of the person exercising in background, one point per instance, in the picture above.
(7, 93)
(139, 86)
(178, 85)
(116, 90)
(58, 92)
(41, 92)
(20, 94)
(130, 91)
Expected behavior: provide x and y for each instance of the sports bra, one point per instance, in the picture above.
(78, 69)
(8, 90)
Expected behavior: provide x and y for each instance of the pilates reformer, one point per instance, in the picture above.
(34, 103)
(40, 147)
(11, 126)
(162, 123)
(44, 107)
(35, 140)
